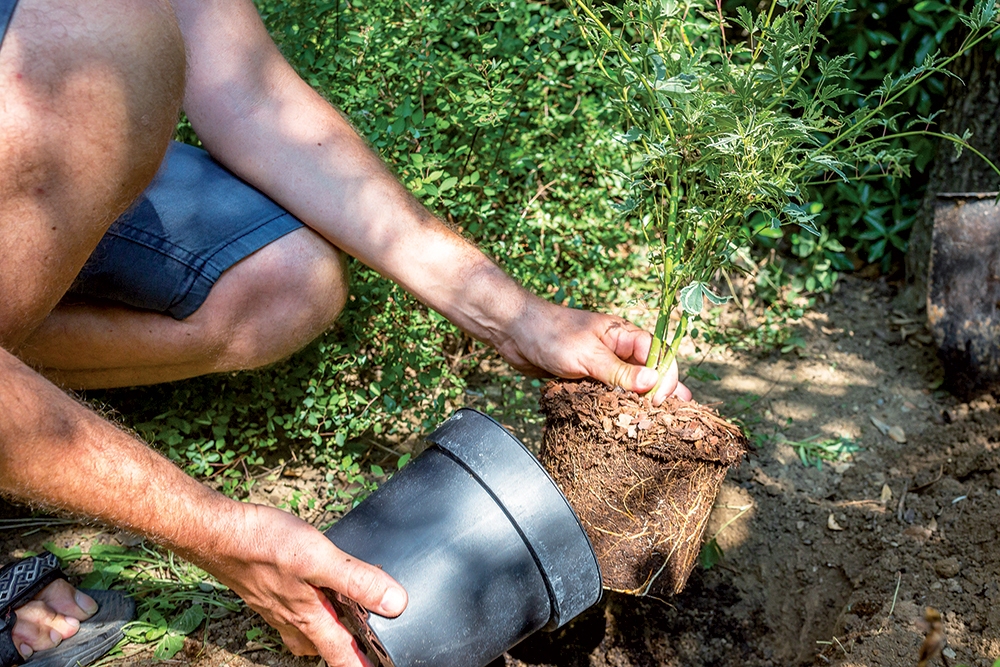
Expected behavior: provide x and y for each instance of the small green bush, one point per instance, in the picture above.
(872, 220)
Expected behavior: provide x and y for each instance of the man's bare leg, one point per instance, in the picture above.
(89, 93)
(261, 310)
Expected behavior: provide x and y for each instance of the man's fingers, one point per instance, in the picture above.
(627, 341)
(366, 584)
(682, 392)
(640, 379)
(320, 632)
(337, 646)
(297, 642)
(667, 386)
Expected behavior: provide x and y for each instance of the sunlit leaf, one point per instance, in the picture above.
(168, 647)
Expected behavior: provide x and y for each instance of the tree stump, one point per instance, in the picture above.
(963, 303)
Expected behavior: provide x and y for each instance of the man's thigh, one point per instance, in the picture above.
(89, 94)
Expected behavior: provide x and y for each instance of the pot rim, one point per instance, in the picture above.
(535, 505)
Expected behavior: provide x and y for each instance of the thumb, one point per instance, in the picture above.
(641, 379)
(369, 586)
(631, 377)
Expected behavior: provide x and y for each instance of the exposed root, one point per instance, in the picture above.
(598, 442)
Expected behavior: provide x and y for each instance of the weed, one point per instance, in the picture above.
(711, 552)
(262, 638)
(701, 374)
(813, 451)
(348, 485)
(173, 598)
(794, 344)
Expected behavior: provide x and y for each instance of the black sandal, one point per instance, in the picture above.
(22, 581)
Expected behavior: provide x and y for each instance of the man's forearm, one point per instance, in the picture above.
(57, 453)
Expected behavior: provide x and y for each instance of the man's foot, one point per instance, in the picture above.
(52, 616)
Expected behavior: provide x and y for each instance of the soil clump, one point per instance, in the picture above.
(643, 480)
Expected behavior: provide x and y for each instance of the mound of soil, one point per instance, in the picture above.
(643, 480)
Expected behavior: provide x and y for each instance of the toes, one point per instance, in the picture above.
(38, 627)
(63, 599)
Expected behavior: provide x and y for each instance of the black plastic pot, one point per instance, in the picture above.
(484, 543)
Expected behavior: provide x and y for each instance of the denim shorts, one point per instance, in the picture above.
(194, 221)
(6, 11)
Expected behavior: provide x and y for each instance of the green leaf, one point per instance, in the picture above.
(711, 554)
(833, 164)
(702, 375)
(187, 622)
(714, 299)
(110, 552)
(403, 460)
(633, 134)
(168, 647)
(691, 299)
(626, 206)
(100, 579)
(744, 20)
(675, 88)
(72, 553)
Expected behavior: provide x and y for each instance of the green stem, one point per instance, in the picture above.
(671, 352)
(805, 62)
(767, 23)
(929, 133)
(658, 335)
(627, 58)
(604, 71)
(667, 292)
(675, 343)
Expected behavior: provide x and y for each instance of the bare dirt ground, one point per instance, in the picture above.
(830, 566)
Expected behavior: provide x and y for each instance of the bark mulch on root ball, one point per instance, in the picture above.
(643, 480)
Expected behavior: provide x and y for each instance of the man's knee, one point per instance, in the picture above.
(276, 301)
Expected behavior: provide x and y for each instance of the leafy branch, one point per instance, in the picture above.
(719, 129)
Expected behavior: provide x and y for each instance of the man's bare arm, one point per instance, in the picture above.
(262, 121)
(57, 453)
